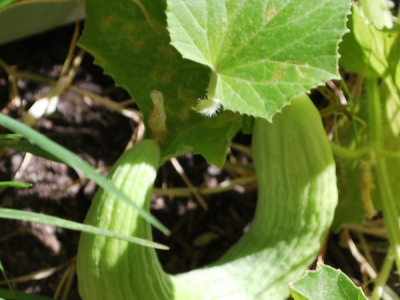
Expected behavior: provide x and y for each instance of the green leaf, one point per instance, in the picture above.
(261, 53)
(13, 214)
(20, 19)
(377, 12)
(393, 55)
(366, 50)
(350, 209)
(74, 161)
(5, 3)
(326, 283)
(133, 46)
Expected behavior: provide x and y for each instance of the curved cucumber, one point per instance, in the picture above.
(110, 268)
(297, 198)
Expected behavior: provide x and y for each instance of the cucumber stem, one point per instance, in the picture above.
(375, 139)
(350, 154)
(383, 276)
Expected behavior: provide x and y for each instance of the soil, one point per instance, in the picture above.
(99, 135)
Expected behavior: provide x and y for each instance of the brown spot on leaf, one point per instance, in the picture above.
(279, 72)
(300, 66)
(278, 75)
(107, 20)
(270, 14)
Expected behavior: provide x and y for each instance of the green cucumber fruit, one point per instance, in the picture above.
(296, 202)
(109, 268)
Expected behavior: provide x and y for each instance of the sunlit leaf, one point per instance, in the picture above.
(261, 53)
(326, 283)
(378, 13)
(368, 51)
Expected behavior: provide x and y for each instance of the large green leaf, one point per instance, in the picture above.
(131, 43)
(262, 53)
(326, 283)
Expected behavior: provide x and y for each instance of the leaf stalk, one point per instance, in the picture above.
(375, 140)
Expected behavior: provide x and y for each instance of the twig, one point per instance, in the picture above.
(243, 149)
(64, 285)
(366, 250)
(192, 188)
(370, 228)
(38, 275)
(358, 256)
(135, 115)
(72, 44)
(225, 186)
(363, 262)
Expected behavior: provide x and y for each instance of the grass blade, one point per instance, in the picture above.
(14, 214)
(75, 162)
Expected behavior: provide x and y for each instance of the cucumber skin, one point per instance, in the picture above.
(107, 268)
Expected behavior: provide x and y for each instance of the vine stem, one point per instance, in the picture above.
(383, 276)
(361, 152)
(375, 133)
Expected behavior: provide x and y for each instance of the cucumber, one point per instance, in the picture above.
(109, 268)
(296, 202)
(297, 196)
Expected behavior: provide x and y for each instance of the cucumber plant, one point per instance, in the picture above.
(252, 57)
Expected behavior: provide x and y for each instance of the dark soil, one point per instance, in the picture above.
(99, 135)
